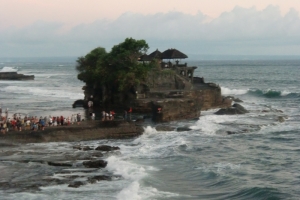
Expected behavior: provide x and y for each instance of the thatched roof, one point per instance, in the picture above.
(173, 54)
(144, 57)
(155, 55)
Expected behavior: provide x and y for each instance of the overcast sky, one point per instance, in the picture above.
(42, 28)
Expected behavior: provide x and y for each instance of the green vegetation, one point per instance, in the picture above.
(117, 70)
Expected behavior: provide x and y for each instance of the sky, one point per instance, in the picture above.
(51, 28)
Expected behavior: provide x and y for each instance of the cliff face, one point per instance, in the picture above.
(167, 95)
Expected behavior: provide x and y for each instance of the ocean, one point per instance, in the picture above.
(259, 161)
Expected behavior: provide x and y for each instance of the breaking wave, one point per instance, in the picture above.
(8, 69)
(272, 93)
(227, 91)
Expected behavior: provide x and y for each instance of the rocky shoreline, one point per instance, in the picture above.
(87, 130)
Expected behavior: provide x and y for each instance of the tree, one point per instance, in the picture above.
(119, 70)
(87, 65)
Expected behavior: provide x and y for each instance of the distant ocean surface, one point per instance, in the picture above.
(260, 161)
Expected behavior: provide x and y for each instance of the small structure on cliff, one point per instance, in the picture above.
(173, 93)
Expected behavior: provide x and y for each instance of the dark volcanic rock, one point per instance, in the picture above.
(76, 184)
(231, 132)
(60, 164)
(95, 164)
(184, 128)
(164, 128)
(79, 103)
(87, 148)
(280, 119)
(94, 179)
(234, 99)
(97, 154)
(234, 110)
(15, 76)
(84, 148)
(240, 108)
(107, 148)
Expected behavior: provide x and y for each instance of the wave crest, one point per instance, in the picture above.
(8, 69)
(272, 93)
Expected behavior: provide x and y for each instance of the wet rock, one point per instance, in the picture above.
(95, 164)
(97, 154)
(234, 99)
(86, 148)
(231, 132)
(234, 110)
(83, 148)
(184, 128)
(79, 103)
(240, 108)
(139, 120)
(107, 148)
(58, 164)
(76, 184)
(77, 147)
(94, 179)
(280, 119)
(164, 128)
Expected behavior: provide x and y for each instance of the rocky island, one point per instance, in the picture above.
(15, 76)
(129, 79)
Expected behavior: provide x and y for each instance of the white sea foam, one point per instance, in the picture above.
(125, 169)
(210, 124)
(285, 93)
(46, 92)
(227, 91)
(8, 69)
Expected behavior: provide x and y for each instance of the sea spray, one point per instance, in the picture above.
(228, 91)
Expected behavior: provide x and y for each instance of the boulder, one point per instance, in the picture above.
(95, 164)
(107, 148)
(164, 128)
(234, 110)
(234, 99)
(94, 179)
(184, 128)
(79, 103)
(60, 164)
(280, 119)
(76, 184)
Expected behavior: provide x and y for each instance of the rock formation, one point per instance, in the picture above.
(168, 94)
(15, 76)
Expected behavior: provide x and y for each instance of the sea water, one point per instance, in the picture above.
(259, 161)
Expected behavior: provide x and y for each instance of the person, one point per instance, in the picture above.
(130, 111)
(90, 104)
(6, 113)
(112, 115)
(78, 118)
(125, 115)
(27, 124)
(42, 124)
(103, 115)
(93, 116)
(106, 116)
(50, 120)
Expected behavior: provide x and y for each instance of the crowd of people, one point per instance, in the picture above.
(34, 123)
